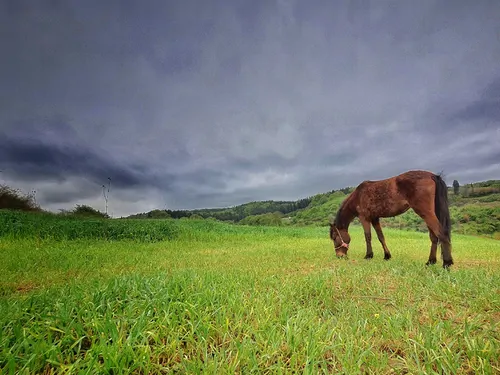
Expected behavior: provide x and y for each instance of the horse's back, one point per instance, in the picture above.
(401, 182)
(412, 182)
(391, 196)
(414, 176)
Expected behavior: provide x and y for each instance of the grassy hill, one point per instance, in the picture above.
(234, 214)
(289, 212)
(475, 209)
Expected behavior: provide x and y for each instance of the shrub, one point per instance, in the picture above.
(11, 199)
(87, 211)
(273, 219)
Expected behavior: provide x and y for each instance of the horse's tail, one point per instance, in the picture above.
(441, 206)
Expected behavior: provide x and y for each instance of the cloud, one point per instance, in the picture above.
(30, 159)
(487, 107)
(208, 104)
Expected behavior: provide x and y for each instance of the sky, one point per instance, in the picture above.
(197, 104)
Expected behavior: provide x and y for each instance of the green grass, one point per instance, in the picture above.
(217, 298)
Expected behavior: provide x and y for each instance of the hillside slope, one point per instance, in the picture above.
(474, 209)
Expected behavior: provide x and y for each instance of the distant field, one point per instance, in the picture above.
(196, 297)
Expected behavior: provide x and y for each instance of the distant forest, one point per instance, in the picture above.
(238, 213)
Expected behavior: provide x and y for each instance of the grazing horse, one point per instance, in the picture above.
(425, 192)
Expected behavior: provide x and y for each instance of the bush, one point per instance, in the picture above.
(158, 214)
(273, 219)
(11, 199)
(87, 211)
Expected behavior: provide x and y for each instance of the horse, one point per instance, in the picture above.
(425, 192)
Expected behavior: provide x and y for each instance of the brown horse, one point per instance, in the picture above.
(425, 192)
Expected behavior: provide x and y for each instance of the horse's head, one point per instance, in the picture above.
(341, 240)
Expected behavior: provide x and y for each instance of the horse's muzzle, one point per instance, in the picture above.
(341, 252)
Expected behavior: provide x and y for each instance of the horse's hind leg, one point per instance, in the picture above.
(380, 235)
(435, 227)
(434, 243)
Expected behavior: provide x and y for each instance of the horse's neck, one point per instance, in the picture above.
(348, 212)
(348, 217)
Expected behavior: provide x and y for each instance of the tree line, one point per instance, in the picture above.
(235, 214)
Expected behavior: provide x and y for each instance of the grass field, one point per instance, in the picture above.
(215, 298)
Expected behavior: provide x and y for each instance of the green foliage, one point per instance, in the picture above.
(480, 189)
(490, 198)
(12, 199)
(408, 221)
(483, 191)
(476, 219)
(87, 211)
(272, 219)
(321, 209)
(47, 226)
(456, 187)
(237, 213)
(62, 227)
(155, 214)
(488, 183)
(158, 214)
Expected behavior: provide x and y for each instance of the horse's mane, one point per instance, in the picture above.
(338, 218)
(341, 220)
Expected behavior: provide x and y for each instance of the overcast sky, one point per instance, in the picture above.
(193, 104)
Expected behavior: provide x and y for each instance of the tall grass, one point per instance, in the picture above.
(45, 226)
(231, 299)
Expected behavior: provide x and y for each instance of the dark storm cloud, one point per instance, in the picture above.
(51, 150)
(30, 159)
(212, 103)
(487, 107)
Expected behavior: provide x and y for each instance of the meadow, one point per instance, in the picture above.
(201, 296)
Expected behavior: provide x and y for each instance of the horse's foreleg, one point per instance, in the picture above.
(434, 243)
(381, 238)
(368, 237)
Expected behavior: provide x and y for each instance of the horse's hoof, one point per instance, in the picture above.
(369, 256)
(447, 264)
(430, 262)
(387, 257)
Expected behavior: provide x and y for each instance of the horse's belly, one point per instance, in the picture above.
(395, 211)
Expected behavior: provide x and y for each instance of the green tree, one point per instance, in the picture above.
(456, 187)
(158, 214)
